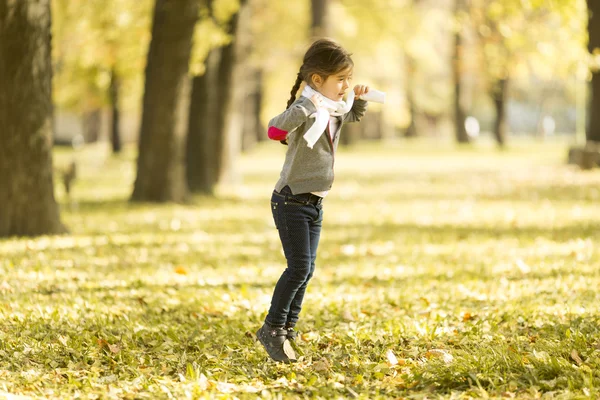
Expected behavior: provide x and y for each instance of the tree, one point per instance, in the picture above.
(114, 91)
(216, 119)
(27, 204)
(160, 165)
(457, 70)
(593, 132)
(320, 21)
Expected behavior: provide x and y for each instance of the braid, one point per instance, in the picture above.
(294, 90)
(293, 96)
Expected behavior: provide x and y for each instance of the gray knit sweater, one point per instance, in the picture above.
(308, 170)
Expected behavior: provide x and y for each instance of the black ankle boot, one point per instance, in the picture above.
(291, 333)
(274, 340)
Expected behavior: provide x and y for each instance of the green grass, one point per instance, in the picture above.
(478, 270)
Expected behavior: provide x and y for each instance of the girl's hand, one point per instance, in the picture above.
(316, 100)
(360, 90)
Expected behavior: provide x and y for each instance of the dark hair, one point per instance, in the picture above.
(324, 57)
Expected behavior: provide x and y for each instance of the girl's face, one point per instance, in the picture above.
(335, 86)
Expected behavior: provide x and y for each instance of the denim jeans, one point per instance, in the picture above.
(299, 223)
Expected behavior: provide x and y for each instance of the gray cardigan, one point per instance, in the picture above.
(308, 170)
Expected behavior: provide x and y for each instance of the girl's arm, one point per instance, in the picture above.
(359, 107)
(357, 111)
(290, 119)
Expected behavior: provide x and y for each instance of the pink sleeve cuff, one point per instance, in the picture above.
(276, 133)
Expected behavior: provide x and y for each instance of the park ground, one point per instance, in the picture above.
(443, 272)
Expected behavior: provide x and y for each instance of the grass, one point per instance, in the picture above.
(443, 272)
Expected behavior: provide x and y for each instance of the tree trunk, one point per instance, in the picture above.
(261, 131)
(352, 133)
(252, 131)
(92, 125)
(459, 112)
(411, 130)
(160, 165)
(320, 22)
(593, 132)
(230, 101)
(115, 134)
(27, 204)
(500, 96)
(201, 157)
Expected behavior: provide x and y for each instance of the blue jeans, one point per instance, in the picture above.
(298, 219)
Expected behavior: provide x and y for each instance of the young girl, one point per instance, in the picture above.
(311, 127)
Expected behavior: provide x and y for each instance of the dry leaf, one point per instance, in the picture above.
(523, 266)
(439, 353)
(391, 357)
(202, 382)
(114, 348)
(575, 357)
(309, 336)
(321, 365)
(289, 350)
(347, 315)
(181, 271)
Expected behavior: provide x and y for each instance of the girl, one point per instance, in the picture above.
(311, 126)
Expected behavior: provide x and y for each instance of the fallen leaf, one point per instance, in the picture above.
(114, 348)
(347, 315)
(289, 350)
(391, 357)
(575, 357)
(181, 271)
(321, 365)
(439, 353)
(202, 382)
(525, 269)
(309, 336)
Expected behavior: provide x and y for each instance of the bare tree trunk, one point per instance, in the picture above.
(204, 130)
(91, 125)
(115, 135)
(258, 101)
(161, 168)
(320, 25)
(593, 132)
(411, 130)
(215, 121)
(27, 204)
(459, 113)
(196, 149)
(352, 133)
(252, 131)
(229, 103)
(500, 96)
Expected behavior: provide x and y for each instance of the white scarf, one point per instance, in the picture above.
(330, 108)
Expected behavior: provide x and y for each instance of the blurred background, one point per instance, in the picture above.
(192, 83)
(517, 67)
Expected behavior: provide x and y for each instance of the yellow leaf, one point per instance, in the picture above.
(575, 357)
(181, 271)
